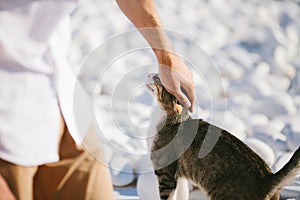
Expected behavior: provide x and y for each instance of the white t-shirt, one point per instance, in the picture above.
(36, 82)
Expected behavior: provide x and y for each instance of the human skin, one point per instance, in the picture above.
(174, 74)
(5, 193)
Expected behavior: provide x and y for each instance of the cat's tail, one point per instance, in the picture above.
(287, 174)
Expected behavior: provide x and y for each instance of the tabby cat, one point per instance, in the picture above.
(229, 171)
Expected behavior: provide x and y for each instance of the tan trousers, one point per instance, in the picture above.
(77, 176)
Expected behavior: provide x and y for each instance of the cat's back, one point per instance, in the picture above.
(230, 167)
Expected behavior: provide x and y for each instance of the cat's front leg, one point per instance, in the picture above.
(182, 189)
(173, 195)
(167, 182)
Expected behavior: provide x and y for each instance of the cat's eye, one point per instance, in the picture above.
(156, 80)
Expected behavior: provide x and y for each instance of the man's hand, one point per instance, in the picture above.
(5, 193)
(176, 77)
(174, 74)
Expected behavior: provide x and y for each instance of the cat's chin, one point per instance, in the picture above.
(158, 115)
(150, 88)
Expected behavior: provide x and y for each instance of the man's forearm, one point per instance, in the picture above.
(174, 74)
(143, 14)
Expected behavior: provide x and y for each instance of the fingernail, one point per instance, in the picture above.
(191, 109)
(187, 105)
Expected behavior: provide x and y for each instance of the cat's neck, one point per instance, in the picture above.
(174, 118)
(177, 118)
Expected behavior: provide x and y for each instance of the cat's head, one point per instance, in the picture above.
(167, 101)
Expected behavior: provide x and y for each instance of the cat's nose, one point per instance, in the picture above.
(150, 75)
(149, 79)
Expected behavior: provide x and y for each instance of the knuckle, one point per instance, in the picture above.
(178, 95)
(192, 85)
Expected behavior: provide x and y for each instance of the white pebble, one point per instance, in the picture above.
(262, 149)
(290, 192)
(271, 135)
(241, 99)
(230, 122)
(147, 186)
(273, 105)
(292, 132)
(198, 195)
(267, 133)
(121, 171)
(279, 82)
(261, 70)
(144, 165)
(282, 64)
(281, 161)
(257, 119)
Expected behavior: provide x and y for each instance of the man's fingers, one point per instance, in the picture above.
(180, 83)
(191, 96)
(182, 98)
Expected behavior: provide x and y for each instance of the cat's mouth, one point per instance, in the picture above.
(150, 84)
(150, 87)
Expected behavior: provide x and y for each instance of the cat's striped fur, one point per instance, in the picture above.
(230, 171)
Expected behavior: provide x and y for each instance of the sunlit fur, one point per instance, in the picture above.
(230, 171)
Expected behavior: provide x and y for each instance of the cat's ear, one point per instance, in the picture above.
(177, 107)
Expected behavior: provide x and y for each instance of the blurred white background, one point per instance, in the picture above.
(255, 45)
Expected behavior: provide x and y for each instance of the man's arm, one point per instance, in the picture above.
(174, 74)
